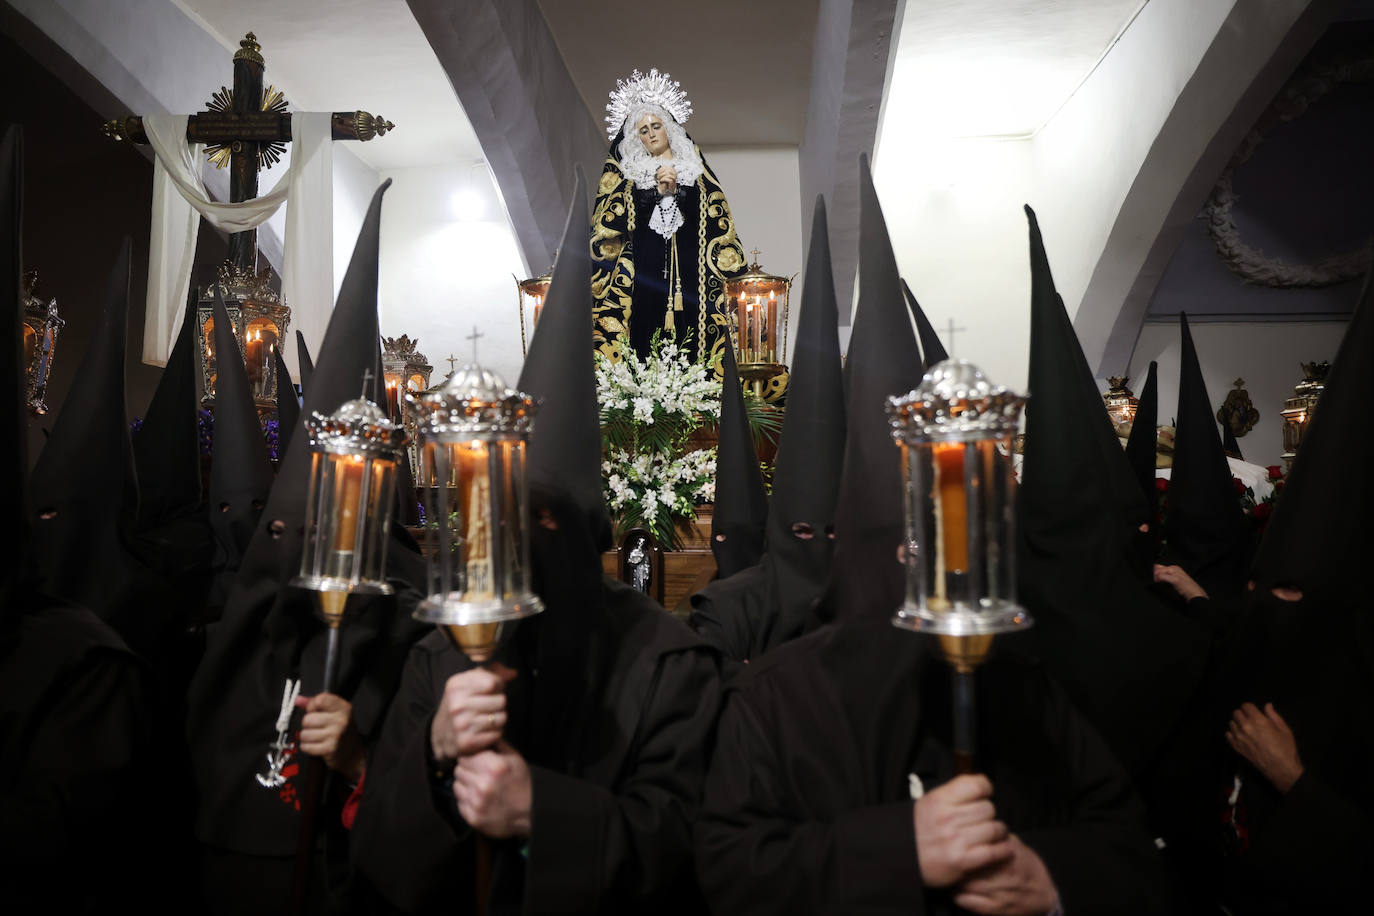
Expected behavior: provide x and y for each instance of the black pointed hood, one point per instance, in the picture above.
(932, 351)
(883, 360)
(240, 469)
(1126, 659)
(288, 408)
(349, 350)
(1206, 530)
(167, 445)
(17, 566)
(1142, 445)
(83, 488)
(307, 365)
(1319, 540)
(565, 446)
(741, 504)
(806, 474)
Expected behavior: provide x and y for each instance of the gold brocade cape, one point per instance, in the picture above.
(719, 255)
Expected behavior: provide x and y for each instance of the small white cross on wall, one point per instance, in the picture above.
(951, 330)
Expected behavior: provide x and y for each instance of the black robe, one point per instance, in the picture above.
(808, 806)
(732, 614)
(613, 794)
(79, 790)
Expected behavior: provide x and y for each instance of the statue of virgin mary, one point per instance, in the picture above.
(663, 242)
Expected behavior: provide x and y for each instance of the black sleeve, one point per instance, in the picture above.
(718, 627)
(80, 793)
(756, 853)
(595, 849)
(1318, 844)
(407, 838)
(1102, 860)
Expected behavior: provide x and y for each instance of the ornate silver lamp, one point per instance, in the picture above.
(353, 454)
(531, 293)
(1298, 410)
(954, 432)
(1121, 403)
(260, 321)
(474, 431)
(757, 299)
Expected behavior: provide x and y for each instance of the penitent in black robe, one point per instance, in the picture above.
(808, 804)
(77, 782)
(616, 779)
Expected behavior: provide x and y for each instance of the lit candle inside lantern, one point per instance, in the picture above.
(255, 362)
(348, 482)
(474, 504)
(393, 407)
(951, 509)
(538, 308)
(750, 327)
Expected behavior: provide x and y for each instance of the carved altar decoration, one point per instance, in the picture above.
(1252, 264)
(530, 295)
(1237, 411)
(406, 371)
(1121, 404)
(41, 327)
(260, 321)
(757, 299)
(1299, 408)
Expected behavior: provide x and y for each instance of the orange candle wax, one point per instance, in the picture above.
(348, 483)
(952, 506)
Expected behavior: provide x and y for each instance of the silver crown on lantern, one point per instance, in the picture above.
(358, 427)
(954, 402)
(654, 89)
(474, 401)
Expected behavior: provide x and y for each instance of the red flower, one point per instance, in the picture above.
(1278, 484)
(1262, 512)
(1240, 487)
(1162, 484)
(1275, 472)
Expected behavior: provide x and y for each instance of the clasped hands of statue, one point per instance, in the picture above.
(962, 846)
(491, 781)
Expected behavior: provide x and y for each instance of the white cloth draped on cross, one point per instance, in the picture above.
(180, 199)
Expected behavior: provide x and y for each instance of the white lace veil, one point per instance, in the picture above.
(640, 167)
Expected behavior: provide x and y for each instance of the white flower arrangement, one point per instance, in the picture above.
(649, 409)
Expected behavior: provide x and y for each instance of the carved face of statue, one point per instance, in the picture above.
(652, 134)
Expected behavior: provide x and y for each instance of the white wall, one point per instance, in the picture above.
(445, 269)
(953, 206)
(762, 186)
(1267, 356)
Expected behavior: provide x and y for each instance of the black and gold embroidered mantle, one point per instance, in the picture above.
(630, 285)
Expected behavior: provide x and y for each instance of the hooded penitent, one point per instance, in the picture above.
(269, 632)
(307, 365)
(240, 469)
(1206, 530)
(174, 538)
(83, 494)
(932, 351)
(741, 504)
(760, 608)
(1127, 660)
(1306, 850)
(1141, 446)
(882, 361)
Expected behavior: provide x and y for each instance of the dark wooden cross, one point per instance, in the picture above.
(247, 128)
(951, 331)
(473, 337)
